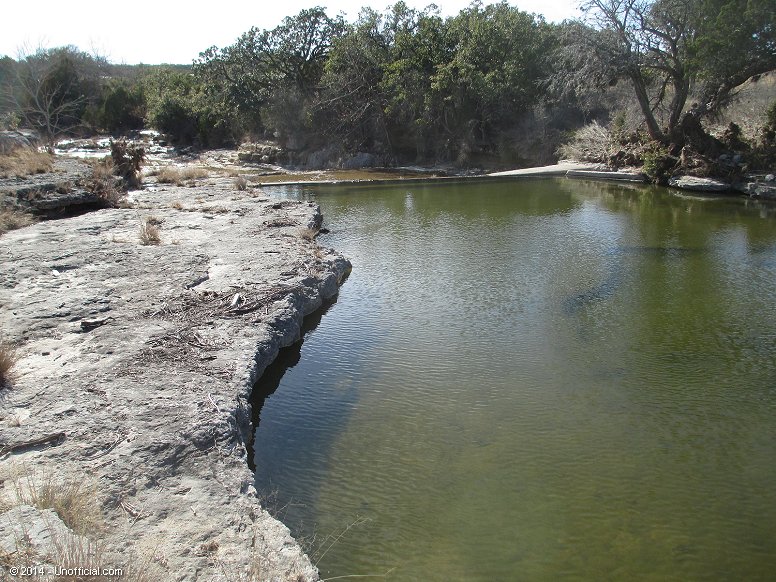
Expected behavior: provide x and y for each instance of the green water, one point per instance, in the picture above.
(534, 380)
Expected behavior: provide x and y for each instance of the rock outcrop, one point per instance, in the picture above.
(11, 140)
(64, 188)
(697, 184)
(144, 358)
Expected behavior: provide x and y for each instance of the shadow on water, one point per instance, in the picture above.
(269, 381)
(576, 302)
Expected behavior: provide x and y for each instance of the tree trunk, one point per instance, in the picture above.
(689, 131)
(643, 98)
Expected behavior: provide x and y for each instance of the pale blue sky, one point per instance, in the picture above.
(176, 32)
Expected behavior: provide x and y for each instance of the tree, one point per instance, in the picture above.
(54, 88)
(123, 106)
(492, 75)
(667, 48)
(274, 71)
(352, 102)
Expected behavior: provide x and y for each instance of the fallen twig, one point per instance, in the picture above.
(52, 438)
(262, 301)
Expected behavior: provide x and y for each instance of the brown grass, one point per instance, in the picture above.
(76, 503)
(102, 169)
(241, 183)
(103, 182)
(149, 231)
(308, 233)
(8, 359)
(73, 553)
(24, 162)
(592, 143)
(179, 176)
(73, 500)
(12, 218)
(748, 108)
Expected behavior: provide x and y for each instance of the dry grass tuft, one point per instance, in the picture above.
(8, 359)
(102, 169)
(149, 231)
(308, 233)
(179, 176)
(241, 183)
(74, 553)
(11, 219)
(177, 205)
(76, 503)
(72, 500)
(592, 143)
(25, 162)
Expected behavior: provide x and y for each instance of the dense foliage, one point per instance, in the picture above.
(409, 85)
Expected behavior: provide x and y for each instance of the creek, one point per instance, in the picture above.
(532, 380)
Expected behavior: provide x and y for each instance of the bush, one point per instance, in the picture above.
(123, 107)
(658, 163)
(127, 158)
(763, 155)
(8, 359)
(592, 143)
(103, 182)
(176, 118)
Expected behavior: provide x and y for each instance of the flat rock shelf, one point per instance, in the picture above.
(135, 367)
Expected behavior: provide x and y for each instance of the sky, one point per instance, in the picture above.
(171, 31)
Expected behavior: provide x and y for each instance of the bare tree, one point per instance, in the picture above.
(51, 89)
(665, 48)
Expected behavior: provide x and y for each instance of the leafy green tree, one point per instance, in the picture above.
(123, 106)
(352, 102)
(493, 73)
(172, 104)
(419, 47)
(272, 71)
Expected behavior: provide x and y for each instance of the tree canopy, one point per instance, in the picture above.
(667, 48)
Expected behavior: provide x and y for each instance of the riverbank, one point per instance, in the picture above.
(135, 367)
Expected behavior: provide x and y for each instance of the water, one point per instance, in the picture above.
(533, 380)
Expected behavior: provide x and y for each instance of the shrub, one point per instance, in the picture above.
(176, 118)
(123, 107)
(103, 183)
(764, 153)
(127, 158)
(733, 138)
(8, 358)
(658, 163)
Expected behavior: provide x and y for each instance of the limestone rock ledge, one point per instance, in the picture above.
(144, 356)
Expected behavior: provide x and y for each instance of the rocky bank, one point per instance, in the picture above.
(136, 364)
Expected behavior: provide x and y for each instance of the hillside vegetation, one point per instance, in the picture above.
(490, 86)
